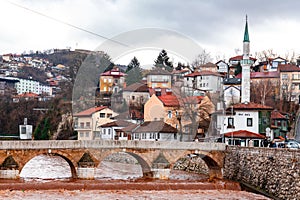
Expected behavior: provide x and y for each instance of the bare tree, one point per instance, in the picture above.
(265, 54)
(194, 112)
(202, 58)
(263, 90)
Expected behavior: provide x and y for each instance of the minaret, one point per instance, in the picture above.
(245, 64)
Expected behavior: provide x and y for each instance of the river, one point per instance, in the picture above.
(49, 177)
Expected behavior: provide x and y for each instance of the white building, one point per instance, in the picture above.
(251, 117)
(202, 81)
(29, 85)
(88, 122)
(111, 130)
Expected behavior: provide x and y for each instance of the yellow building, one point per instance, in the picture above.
(112, 81)
(159, 78)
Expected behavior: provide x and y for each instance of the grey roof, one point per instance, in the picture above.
(232, 81)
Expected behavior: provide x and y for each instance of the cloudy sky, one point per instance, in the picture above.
(215, 25)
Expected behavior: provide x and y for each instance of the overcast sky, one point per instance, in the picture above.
(216, 25)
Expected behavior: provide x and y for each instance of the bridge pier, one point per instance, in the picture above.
(9, 174)
(161, 173)
(86, 172)
(215, 172)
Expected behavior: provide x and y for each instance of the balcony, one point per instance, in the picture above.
(82, 127)
(295, 80)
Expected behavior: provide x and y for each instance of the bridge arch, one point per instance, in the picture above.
(214, 161)
(23, 160)
(142, 160)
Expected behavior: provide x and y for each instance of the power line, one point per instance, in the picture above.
(68, 24)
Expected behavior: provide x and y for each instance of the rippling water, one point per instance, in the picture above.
(49, 168)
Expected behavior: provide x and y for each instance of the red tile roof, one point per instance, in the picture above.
(288, 68)
(28, 95)
(169, 100)
(250, 106)
(118, 123)
(114, 72)
(277, 115)
(209, 64)
(240, 57)
(244, 134)
(90, 111)
(203, 73)
(192, 99)
(261, 75)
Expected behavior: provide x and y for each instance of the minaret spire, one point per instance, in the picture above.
(246, 34)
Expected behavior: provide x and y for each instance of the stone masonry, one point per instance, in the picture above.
(272, 170)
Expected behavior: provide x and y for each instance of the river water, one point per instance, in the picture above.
(115, 180)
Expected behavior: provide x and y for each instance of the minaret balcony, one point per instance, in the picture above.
(246, 62)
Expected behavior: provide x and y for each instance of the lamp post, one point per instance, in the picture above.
(179, 113)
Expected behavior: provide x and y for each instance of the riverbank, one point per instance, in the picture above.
(129, 195)
(138, 184)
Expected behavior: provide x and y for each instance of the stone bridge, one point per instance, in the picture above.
(156, 158)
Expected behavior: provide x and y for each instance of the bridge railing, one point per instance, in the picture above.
(95, 144)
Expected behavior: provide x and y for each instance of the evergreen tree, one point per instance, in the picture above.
(238, 69)
(45, 130)
(37, 132)
(134, 72)
(133, 64)
(162, 61)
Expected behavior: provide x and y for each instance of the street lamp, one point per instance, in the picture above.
(179, 115)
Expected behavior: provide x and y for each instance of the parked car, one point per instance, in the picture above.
(292, 144)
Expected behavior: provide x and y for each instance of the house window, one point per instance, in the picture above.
(249, 122)
(169, 114)
(104, 80)
(133, 97)
(143, 135)
(284, 87)
(102, 115)
(109, 115)
(151, 135)
(87, 134)
(81, 135)
(284, 76)
(158, 136)
(293, 86)
(104, 88)
(124, 134)
(97, 134)
(108, 131)
(230, 122)
(81, 124)
(88, 124)
(104, 131)
(136, 136)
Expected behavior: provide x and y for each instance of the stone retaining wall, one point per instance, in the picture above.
(275, 171)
